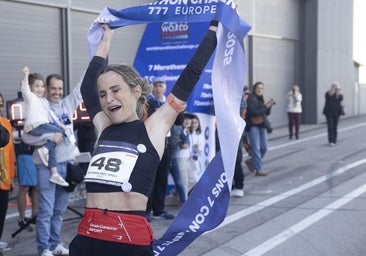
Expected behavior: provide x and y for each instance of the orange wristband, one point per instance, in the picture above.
(176, 106)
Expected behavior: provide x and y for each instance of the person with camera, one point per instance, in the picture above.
(258, 126)
(333, 110)
(294, 111)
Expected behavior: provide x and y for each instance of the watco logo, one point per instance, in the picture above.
(174, 31)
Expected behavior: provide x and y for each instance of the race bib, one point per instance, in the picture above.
(113, 164)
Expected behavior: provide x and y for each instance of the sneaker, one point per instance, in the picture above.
(3, 245)
(249, 164)
(260, 173)
(331, 144)
(25, 224)
(46, 253)
(56, 178)
(165, 215)
(237, 193)
(43, 154)
(60, 250)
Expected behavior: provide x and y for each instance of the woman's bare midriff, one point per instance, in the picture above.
(117, 201)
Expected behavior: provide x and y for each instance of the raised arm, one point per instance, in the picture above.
(89, 84)
(24, 87)
(192, 72)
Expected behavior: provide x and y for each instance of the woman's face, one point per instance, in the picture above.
(187, 123)
(38, 88)
(117, 99)
(195, 124)
(259, 89)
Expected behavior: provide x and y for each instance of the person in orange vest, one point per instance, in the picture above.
(7, 172)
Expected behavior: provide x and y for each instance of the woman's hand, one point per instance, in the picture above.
(108, 33)
(104, 44)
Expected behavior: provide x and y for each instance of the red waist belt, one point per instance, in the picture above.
(116, 227)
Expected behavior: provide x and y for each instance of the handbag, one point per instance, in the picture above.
(257, 120)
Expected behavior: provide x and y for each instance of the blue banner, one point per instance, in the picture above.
(205, 209)
(164, 51)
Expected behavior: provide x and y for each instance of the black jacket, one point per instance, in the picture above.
(332, 105)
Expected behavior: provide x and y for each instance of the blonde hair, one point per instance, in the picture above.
(132, 79)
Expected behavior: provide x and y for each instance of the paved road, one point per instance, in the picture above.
(312, 203)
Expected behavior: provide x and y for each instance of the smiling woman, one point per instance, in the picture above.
(120, 177)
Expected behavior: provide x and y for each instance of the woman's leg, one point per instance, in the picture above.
(290, 124)
(254, 140)
(297, 124)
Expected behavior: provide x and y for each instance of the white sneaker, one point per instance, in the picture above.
(56, 178)
(60, 250)
(237, 193)
(44, 155)
(3, 245)
(46, 253)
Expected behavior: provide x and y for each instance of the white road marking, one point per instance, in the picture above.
(255, 208)
(305, 223)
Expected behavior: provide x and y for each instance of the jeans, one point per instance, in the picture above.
(53, 201)
(174, 171)
(258, 140)
(50, 145)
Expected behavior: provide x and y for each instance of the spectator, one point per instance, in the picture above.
(156, 201)
(238, 179)
(174, 170)
(197, 145)
(256, 126)
(112, 97)
(7, 172)
(243, 105)
(333, 110)
(40, 120)
(294, 111)
(54, 199)
(27, 181)
(183, 155)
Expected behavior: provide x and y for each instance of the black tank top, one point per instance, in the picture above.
(124, 159)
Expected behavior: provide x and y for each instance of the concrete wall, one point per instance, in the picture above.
(334, 51)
